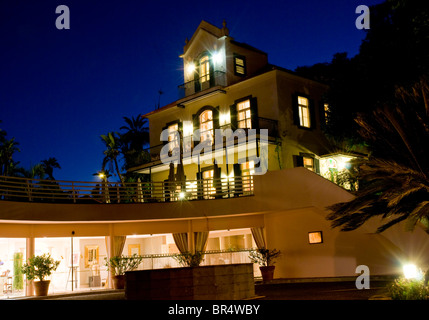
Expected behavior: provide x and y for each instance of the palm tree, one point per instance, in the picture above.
(36, 171)
(112, 143)
(134, 140)
(137, 134)
(49, 165)
(7, 150)
(394, 181)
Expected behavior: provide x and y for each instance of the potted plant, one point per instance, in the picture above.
(188, 259)
(40, 267)
(118, 265)
(266, 259)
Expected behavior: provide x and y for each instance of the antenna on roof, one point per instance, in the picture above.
(159, 98)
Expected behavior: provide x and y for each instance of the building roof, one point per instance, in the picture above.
(267, 68)
(210, 28)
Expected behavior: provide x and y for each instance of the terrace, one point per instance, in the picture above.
(49, 191)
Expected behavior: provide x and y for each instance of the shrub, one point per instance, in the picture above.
(264, 257)
(188, 259)
(121, 264)
(408, 289)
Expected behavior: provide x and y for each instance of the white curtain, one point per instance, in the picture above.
(181, 240)
(258, 236)
(200, 241)
(118, 243)
(114, 250)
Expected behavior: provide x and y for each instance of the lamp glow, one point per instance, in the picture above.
(190, 68)
(411, 271)
(217, 57)
(181, 195)
(101, 175)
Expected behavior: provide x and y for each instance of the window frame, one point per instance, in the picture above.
(254, 118)
(206, 122)
(320, 233)
(244, 66)
(301, 108)
(175, 144)
(204, 77)
(247, 114)
(208, 186)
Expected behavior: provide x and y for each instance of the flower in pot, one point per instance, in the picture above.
(40, 267)
(266, 259)
(118, 265)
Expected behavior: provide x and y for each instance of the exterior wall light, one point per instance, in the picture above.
(217, 57)
(190, 68)
(224, 118)
(412, 272)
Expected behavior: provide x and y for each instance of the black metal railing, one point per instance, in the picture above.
(216, 78)
(36, 190)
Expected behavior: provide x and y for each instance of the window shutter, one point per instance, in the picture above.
(197, 84)
(313, 118)
(237, 170)
(316, 165)
(254, 113)
(211, 73)
(233, 115)
(180, 128)
(295, 110)
(164, 128)
(216, 118)
(238, 184)
(298, 161)
(196, 124)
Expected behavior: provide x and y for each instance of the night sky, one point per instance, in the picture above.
(61, 89)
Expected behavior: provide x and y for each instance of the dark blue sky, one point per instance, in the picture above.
(61, 89)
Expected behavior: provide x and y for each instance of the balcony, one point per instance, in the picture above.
(216, 78)
(47, 191)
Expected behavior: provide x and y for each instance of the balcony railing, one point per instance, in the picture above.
(216, 78)
(48, 191)
(153, 153)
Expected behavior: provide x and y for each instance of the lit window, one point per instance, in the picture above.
(204, 69)
(208, 176)
(308, 163)
(244, 115)
(239, 65)
(247, 169)
(304, 112)
(206, 126)
(173, 136)
(315, 237)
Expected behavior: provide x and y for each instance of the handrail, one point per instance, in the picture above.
(61, 191)
(217, 78)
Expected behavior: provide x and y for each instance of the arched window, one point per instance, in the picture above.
(206, 126)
